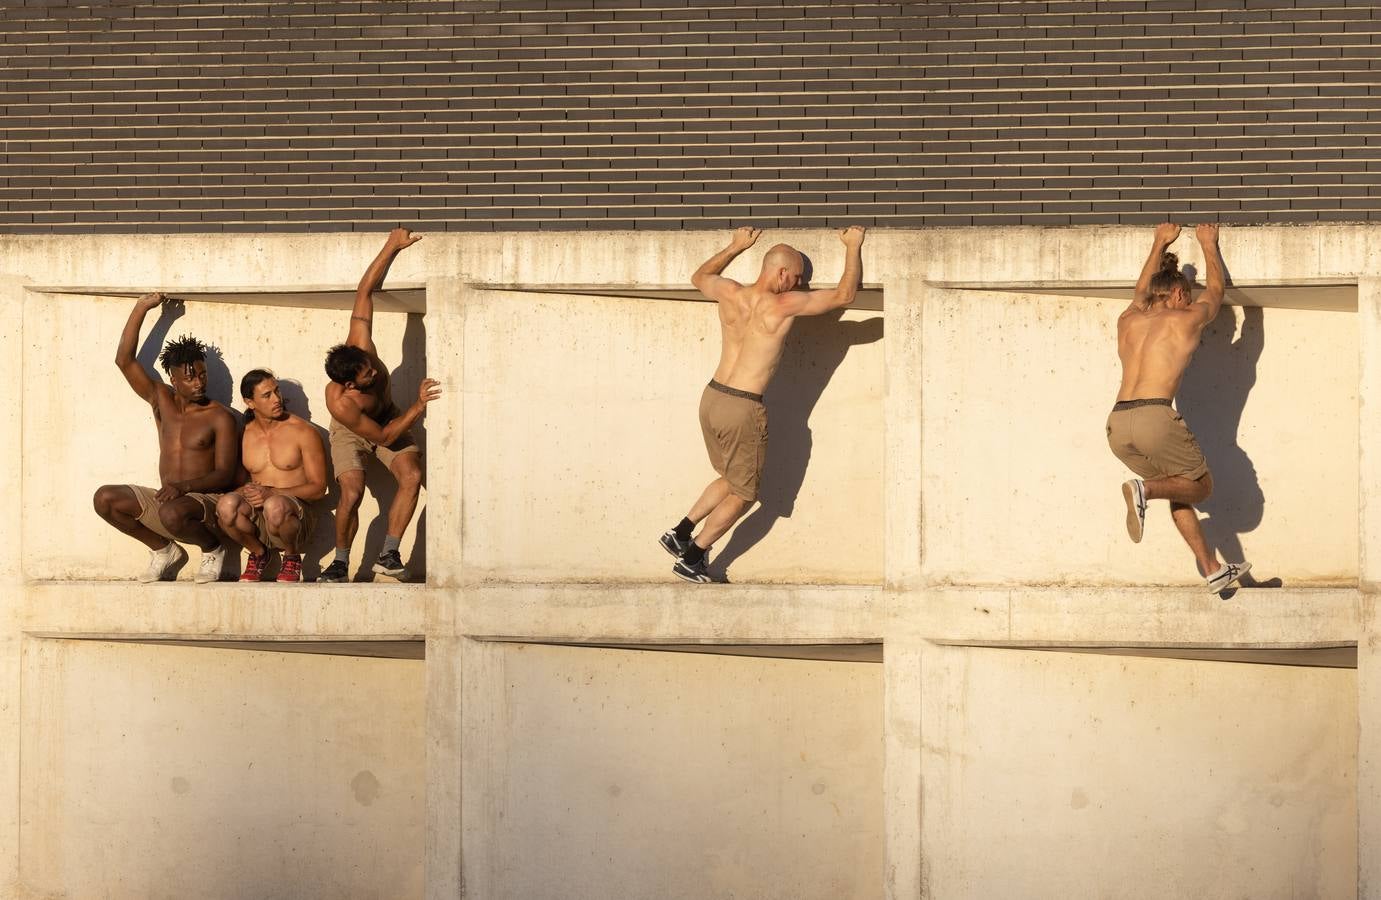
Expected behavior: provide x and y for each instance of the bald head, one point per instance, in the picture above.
(782, 268)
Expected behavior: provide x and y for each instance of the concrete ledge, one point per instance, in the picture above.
(666, 614)
(1130, 617)
(188, 611)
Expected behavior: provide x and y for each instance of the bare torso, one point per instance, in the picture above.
(1155, 346)
(753, 330)
(272, 451)
(186, 437)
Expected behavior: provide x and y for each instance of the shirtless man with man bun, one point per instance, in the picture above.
(1156, 337)
(287, 471)
(754, 321)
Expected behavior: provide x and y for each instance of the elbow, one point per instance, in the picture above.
(846, 298)
(698, 280)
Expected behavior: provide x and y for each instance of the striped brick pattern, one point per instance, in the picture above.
(551, 114)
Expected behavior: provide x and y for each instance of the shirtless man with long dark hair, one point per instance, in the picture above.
(198, 452)
(1156, 337)
(754, 320)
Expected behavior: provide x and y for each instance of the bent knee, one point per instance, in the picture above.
(105, 497)
(173, 515)
(228, 507)
(409, 474)
(277, 509)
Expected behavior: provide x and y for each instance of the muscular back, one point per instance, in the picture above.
(1155, 346)
(754, 331)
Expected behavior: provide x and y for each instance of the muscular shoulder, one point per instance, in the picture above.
(300, 426)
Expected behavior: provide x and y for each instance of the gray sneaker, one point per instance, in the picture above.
(1230, 572)
(695, 573)
(1134, 492)
(164, 564)
(673, 544)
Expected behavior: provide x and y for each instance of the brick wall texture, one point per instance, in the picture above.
(559, 114)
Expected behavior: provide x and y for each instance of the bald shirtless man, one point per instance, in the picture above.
(365, 422)
(287, 471)
(1156, 337)
(197, 457)
(754, 320)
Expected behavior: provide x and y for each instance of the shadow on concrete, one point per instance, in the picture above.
(1211, 399)
(378, 480)
(815, 348)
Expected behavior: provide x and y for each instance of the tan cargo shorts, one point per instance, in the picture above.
(149, 507)
(1152, 440)
(734, 424)
(350, 451)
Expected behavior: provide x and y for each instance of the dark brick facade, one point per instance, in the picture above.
(507, 114)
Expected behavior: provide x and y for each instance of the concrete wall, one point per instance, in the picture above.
(957, 491)
(679, 775)
(157, 771)
(1075, 775)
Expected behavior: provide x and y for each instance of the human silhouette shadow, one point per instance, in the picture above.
(219, 385)
(379, 481)
(814, 350)
(1211, 399)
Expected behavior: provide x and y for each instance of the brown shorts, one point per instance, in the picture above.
(735, 429)
(349, 451)
(303, 512)
(1152, 440)
(149, 507)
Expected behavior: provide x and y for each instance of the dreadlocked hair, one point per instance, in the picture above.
(184, 351)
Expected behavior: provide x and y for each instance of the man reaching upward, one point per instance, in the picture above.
(1156, 337)
(365, 422)
(754, 320)
(198, 451)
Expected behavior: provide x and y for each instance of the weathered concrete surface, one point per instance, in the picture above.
(176, 772)
(957, 490)
(766, 775)
(1067, 775)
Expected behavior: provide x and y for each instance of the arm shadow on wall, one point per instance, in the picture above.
(1211, 399)
(814, 351)
(219, 386)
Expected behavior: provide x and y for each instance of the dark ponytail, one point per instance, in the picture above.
(1164, 282)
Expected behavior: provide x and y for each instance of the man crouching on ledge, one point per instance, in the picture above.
(197, 458)
(287, 471)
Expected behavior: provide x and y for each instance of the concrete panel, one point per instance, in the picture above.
(170, 772)
(1172, 778)
(1369, 428)
(636, 774)
(64, 422)
(1020, 486)
(582, 443)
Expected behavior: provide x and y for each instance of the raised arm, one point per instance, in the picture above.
(1166, 233)
(1210, 299)
(349, 415)
(707, 279)
(362, 316)
(134, 373)
(813, 303)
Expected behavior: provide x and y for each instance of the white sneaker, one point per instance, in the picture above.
(212, 565)
(164, 564)
(1230, 572)
(1134, 492)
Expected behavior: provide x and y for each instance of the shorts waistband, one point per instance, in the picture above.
(1133, 404)
(735, 392)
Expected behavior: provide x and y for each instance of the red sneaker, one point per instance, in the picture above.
(255, 566)
(291, 570)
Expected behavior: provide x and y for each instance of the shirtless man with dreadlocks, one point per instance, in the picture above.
(198, 457)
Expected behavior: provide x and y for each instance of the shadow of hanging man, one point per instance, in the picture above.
(219, 385)
(1212, 397)
(814, 349)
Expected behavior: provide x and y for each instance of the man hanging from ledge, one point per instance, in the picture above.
(198, 455)
(365, 422)
(754, 321)
(1156, 337)
(287, 471)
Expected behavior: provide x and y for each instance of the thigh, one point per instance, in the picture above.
(405, 465)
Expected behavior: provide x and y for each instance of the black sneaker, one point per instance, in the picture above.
(336, 571)
(695, 573)
(674, 545)
(391, 564)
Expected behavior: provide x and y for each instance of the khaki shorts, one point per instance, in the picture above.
(149, 506)
(735, 430)
(1153, 441)
(303, 512)
(349, 451)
